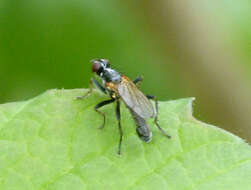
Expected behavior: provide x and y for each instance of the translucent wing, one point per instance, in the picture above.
(135, 99)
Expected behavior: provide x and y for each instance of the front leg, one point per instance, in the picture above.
(156, 116)
(100, 87)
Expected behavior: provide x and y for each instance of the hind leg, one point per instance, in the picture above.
(156, 117)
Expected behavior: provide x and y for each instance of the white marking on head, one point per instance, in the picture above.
(104, 62)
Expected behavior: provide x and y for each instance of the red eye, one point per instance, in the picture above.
(95, 67)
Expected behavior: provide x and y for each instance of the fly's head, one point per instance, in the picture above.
(99, 65)
(102, 68)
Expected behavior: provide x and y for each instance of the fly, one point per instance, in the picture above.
(120, 87)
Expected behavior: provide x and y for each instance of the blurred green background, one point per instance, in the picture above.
(182, 49)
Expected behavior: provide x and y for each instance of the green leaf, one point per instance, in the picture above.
(53, 142)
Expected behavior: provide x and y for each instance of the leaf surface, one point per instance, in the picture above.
(53, 142)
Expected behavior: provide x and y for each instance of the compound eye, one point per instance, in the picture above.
(96, 67)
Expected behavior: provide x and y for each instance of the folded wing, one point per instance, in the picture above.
(135, 99)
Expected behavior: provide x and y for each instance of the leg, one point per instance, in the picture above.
(156, 117)
(119, 125)
(138, 79)
(100, 87)
(101, 104)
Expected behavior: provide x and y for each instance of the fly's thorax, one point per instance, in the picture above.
(110, 75)
(113, 89)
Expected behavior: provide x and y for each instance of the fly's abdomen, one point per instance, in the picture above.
(142, 129)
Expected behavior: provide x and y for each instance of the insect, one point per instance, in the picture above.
(120, 88)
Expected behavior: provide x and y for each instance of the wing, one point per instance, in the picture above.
(135, 99)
